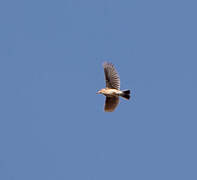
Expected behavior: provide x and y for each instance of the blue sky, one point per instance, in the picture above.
(52, 123)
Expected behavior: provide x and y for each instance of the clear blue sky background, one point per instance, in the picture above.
(52, 123)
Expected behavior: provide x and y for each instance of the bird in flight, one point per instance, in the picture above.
(112, 90)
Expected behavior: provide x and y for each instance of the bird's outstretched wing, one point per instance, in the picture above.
(111, 76)
(111, 103)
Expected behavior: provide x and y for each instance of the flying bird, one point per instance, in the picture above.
(112, 90)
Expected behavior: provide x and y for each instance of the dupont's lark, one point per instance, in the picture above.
(112, 90)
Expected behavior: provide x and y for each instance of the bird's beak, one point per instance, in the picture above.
(98, 92)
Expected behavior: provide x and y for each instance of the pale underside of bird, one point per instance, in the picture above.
(112, 90)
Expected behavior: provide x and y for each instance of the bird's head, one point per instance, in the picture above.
(100, 91)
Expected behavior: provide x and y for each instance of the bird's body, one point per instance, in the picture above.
(112, 90)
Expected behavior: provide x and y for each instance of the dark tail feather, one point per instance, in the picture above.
(126, 94)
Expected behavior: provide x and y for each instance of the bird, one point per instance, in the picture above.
(112, 90)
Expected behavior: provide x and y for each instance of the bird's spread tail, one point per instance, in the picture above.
(126, 94)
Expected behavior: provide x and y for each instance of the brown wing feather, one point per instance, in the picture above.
(111, 76)
(111, 103)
